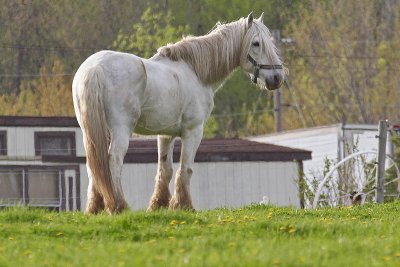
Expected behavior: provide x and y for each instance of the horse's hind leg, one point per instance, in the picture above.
(161, 195)
(95, 202)
(118, 148)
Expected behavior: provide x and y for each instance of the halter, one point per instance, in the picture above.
(258, 67)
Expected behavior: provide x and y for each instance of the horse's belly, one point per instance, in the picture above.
(158, 124)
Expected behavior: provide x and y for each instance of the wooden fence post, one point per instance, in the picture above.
(380, 170)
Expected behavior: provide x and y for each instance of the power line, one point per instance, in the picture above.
(338, 56)
(52, 48)
(34, 75)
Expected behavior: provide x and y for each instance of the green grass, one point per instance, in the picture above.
(251, 236)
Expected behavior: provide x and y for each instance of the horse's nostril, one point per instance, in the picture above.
(276, 78)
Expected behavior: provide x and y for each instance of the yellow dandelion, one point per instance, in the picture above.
(173, 222)
(387, 258)
(172, 237)
(397, 254)
(276, 262)
(10, 238)
(59, 234)
(27, 252)
(183, 222)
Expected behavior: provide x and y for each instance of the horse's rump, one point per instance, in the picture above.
(95, 130)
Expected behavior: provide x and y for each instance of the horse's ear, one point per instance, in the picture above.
(250, 19)
(261, 18)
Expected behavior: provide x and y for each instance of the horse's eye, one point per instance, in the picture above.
(256, 43)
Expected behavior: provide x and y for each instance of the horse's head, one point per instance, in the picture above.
(259, 55)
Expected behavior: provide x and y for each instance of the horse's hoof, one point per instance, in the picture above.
(117, 208)
(157, 203)
(174, 204)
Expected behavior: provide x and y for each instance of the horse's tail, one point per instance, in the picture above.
(96, 134)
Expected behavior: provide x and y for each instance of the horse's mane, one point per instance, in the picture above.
(213, 56)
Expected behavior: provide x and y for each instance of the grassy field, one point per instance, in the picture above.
(251, 236)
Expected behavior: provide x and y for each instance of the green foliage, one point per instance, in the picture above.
(151, 32)
(211, 128)
(241, 109)
(250, 236)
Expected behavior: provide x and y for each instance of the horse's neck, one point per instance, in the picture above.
(212, 57)
(228, 59)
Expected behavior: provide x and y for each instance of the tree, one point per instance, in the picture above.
(344, 63)
(50, 95)
(155, 29)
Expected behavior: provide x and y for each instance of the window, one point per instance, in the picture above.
(11, 187)
(51, 187)
(43, 187)
(55, 143)
(3, 143)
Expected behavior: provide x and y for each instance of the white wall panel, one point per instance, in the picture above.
(216, 184)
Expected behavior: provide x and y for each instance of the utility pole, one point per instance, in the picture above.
(277, 93)
(380, 171)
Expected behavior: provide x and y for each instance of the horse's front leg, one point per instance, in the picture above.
(190, 142)
(161, 194)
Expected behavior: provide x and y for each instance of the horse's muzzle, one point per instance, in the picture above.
(274, 82)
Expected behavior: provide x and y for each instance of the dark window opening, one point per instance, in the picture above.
(55, 143)
(3, 143)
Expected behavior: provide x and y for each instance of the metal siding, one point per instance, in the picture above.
(131, 185)
(229, 173)
(201, 181)
(84, 182)
(212, 184)
(253, 185)
(322, 142)
(247, 181)
(281, 184)
(274, 191)
(230, 185)
(237, 180)
(267, 183)
(291, 188)
(80, 150)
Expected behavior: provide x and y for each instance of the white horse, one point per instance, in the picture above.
(170, 94)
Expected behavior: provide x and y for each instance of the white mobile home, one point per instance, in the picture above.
(333, 142)
(42, 163)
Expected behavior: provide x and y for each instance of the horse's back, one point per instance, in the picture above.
(115, 65)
